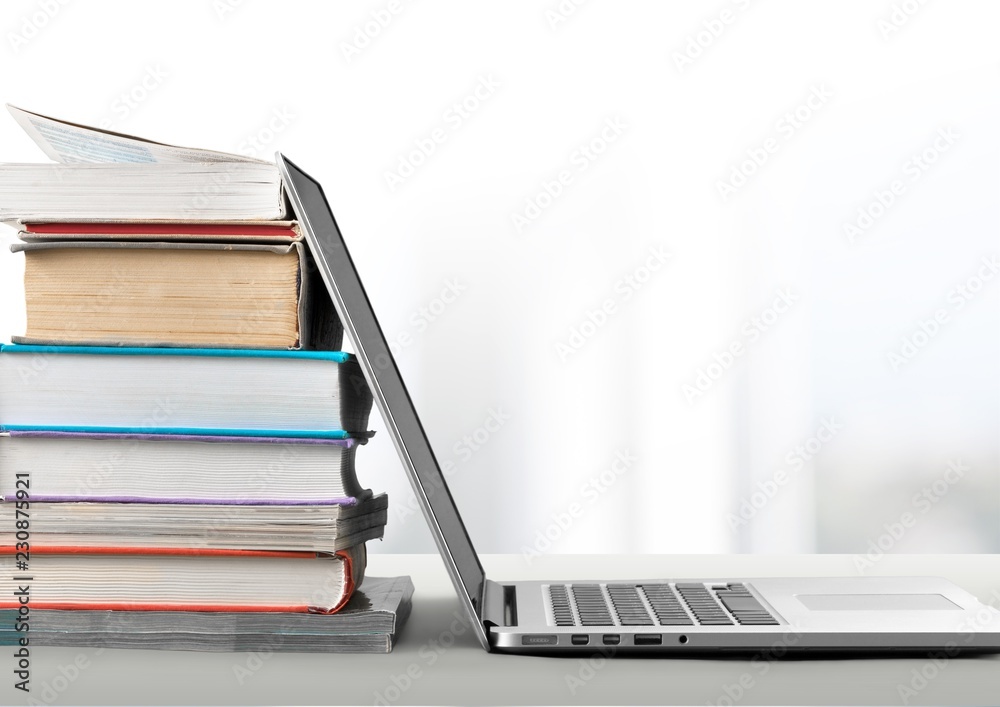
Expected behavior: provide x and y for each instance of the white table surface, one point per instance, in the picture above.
(433, 665)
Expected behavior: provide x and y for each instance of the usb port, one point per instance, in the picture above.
(580, 639)
(612, 639)
(648, 639)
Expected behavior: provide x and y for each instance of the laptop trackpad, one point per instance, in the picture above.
(876, 602)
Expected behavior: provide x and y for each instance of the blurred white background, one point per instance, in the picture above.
(570, 215)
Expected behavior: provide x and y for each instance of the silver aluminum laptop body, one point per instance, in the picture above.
(768, 617)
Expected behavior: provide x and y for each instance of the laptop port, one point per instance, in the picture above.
(612, 639)
(540, 639)
(648, 639)
(580, 639)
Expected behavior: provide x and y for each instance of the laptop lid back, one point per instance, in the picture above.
(381, 374)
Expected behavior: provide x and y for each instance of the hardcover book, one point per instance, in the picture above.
(176, 294)
(246, 392)
(315, 528)
(180, 468)
(183, 579)
(159, 231)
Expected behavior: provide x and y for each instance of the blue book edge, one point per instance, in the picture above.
(186, 431)
(335, 356)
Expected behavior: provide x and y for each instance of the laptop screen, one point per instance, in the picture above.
(382, 376)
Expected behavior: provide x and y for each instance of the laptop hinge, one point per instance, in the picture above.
(494, 610)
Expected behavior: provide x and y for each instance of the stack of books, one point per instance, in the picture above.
(178, 425)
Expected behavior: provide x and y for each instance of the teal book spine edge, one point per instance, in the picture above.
(334, 356)
(183, 431)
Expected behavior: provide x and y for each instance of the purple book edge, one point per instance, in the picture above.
(345, 501)
(345, 443)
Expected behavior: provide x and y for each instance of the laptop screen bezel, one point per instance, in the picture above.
(326, 244)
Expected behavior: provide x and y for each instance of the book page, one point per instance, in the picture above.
(70, 143)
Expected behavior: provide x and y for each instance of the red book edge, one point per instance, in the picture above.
(348, 584)
(158, 229)
(110, 550)
(112, 606)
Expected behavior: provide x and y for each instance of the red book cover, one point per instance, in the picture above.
(139, 230)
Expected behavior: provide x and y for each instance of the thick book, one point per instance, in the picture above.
(176, 231)
(182, 579)
(176, 294)
(99, 192)
(108, 176)
(245, 392)
(370, 622)
(318, 528)
(179, 468)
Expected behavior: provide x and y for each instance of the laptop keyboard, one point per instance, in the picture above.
(683, 604)
(628, 605)
(666, 605)
(706, 609)
(744, 606)
(562, 612)
(591, 605)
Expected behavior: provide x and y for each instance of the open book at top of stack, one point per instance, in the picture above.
(178, 416)
(98, 175)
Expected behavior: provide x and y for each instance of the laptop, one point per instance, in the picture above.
(769, 616)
